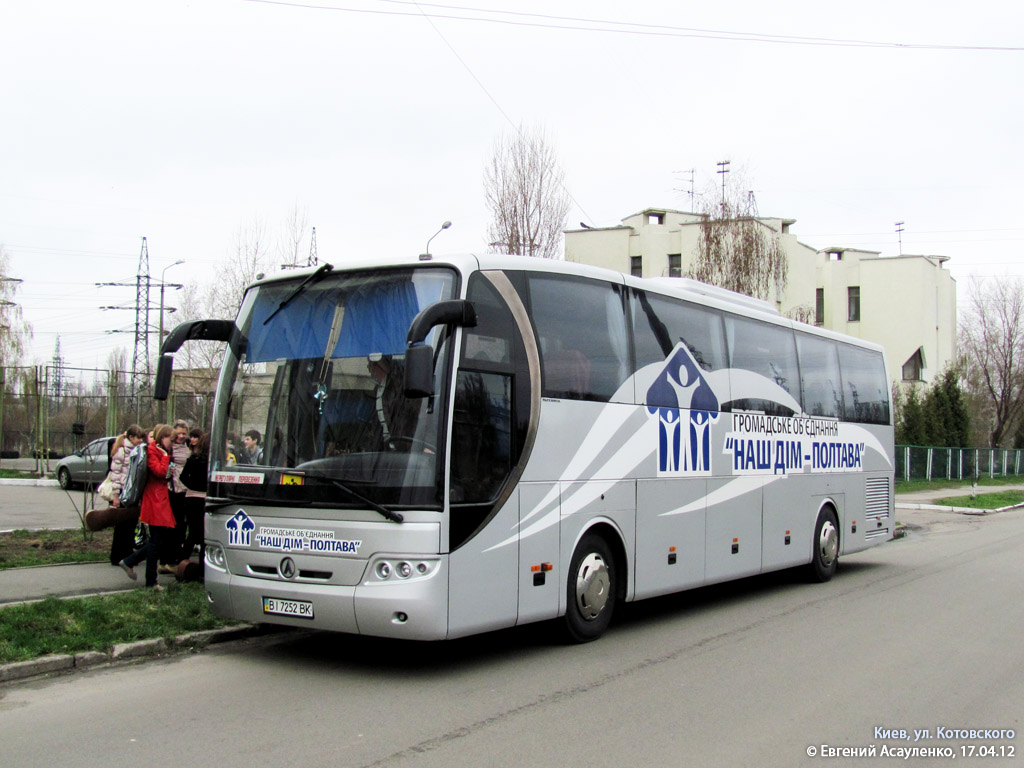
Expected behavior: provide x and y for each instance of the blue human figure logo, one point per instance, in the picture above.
(240, 528)
(681, 386)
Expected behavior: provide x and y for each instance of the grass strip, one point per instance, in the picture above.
(17, 474)
(912, 486)
(21, 548)
(99, 623)
(984, 500)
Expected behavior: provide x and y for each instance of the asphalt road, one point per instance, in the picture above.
(923, 633)
(33, 507)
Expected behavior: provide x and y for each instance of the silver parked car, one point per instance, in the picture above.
(86, 465)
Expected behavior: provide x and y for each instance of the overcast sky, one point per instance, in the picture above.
(183, 121)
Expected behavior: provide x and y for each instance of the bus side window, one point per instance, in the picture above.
(769, 351)
(481, 436)
(819, 376)
(659, 324)
(581, 327)
(865, 389)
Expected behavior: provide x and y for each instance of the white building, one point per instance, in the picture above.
(905, 303)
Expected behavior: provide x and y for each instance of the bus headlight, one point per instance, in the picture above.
(215, 557)
(394, 569)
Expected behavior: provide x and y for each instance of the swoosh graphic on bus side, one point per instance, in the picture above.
(595, 441)
(739, 486)
(552, 512)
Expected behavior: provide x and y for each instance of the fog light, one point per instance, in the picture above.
(401, 617)
(404, 570)
(383, 570)
(421, 567)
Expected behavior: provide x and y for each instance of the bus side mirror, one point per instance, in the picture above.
(419, 357)
(164, 368)
(419, 371)
(202, 330)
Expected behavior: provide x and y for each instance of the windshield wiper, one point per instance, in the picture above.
(319, 274)
(390, 514)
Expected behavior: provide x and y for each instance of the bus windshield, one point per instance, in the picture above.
(310, 405)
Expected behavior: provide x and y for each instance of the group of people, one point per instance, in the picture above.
(173, 499)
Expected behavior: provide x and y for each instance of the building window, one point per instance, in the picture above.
(853, 296)
(636, 266)
(655, 218)
(913, 369)
(675, 265)
(819, 306)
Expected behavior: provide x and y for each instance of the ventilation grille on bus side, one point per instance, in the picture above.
(876, 502)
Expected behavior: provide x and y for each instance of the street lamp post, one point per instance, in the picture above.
(160, 338)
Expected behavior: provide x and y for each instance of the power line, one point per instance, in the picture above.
(634, 28)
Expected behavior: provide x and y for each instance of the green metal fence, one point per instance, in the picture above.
(919, 462)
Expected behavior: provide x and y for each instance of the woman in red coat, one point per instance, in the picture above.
(156, 507)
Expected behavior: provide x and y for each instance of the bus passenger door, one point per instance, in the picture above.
(540, 575)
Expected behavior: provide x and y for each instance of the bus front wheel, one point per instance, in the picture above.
(591, 589)
(825, 557)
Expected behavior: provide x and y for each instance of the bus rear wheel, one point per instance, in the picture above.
(825, 556)
(591, 589)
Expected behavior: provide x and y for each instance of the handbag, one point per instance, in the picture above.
(107, 490)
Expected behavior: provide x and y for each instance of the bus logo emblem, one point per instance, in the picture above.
(240, 528)
(287, 568)
(680, 387)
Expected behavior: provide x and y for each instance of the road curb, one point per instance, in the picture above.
(127, 652)
(957, 510)
(40, 482)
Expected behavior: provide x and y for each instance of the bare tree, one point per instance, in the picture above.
(525, 191)
(15, 333)
(249, 257)
(992, 343)
(294, 231)
(738, 251)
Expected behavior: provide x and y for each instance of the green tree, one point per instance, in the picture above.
(912, 428)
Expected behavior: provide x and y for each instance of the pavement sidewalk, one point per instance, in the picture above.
(20, 585)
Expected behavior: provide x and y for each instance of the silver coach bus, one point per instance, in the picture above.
(455, 445)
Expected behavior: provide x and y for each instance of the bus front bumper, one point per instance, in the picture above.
(410, 609)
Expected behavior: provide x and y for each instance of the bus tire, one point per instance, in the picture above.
(591, 589)
(825, 555)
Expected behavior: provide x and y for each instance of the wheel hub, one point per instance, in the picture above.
(828, 543)
(592, 583)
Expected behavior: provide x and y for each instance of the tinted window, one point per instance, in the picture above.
(819, 376)
(659, 324)
(865, 388)
(581, 328)
(769, 351)
(481, 436)
(490, 341)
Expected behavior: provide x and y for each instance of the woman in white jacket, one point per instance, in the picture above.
(123, 543)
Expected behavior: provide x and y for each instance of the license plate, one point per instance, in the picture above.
(297, 609)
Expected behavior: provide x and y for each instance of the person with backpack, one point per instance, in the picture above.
(156, 507)
(123, 543)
